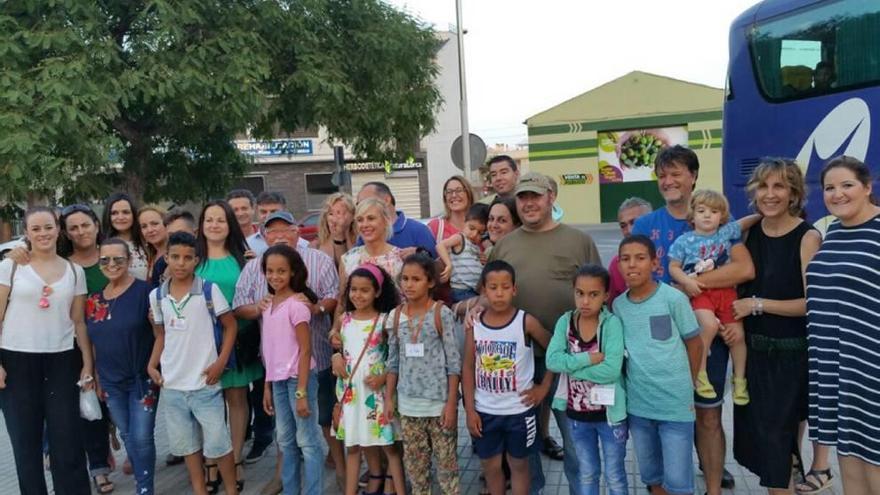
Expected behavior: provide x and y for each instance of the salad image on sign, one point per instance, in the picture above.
(628, 156)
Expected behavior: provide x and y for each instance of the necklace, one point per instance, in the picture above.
(114, 299)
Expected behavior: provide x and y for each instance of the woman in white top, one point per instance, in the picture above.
(121, 220)
(42, 307)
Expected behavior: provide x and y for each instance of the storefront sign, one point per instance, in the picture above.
(573, 179)
(276, 147)
(385, 166)
(628, 156)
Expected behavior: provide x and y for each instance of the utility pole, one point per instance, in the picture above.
(465, 132)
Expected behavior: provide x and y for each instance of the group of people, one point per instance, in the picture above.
(363, 346)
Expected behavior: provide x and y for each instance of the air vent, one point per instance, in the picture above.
(747, 166)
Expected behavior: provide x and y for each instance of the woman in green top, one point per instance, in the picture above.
(221, 248)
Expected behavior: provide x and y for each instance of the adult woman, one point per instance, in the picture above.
(221, 247)
(375, 228)
(152, 223)
(120, 214)
(116, 317)
(773, 310)
(458, 196)
(336, 228)
(41, 307)
(843, 301)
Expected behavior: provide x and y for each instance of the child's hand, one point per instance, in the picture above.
(533, 396)
(338, 364)
(265, 303)
(302, 408)
(483, 258)
(449, 418)
(597, 357)
(375, 382)
(335, 340)
(732, 333)
(389, 406)
(446, 273)
(2, 377)
(692, 287)
(155, 376)
(268, 405)
(474, 424)
(213, 372)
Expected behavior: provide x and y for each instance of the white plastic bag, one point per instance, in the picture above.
(89, 407)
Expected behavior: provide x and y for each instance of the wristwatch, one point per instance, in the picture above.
(321, 308)
(300, 394)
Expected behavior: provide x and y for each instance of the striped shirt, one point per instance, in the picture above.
(466, 266)
(843, 315)
(323, 279)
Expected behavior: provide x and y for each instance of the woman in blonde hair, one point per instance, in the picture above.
(336, 227)
(152, 222)
(375, 226)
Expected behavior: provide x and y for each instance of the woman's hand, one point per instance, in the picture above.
(338, 364)
(2, 377)
(155, 376)
(267, 400)
(375, 382)
(302, 408)
(20, 255)
(743, 307)
(265, 303)
(86, 380)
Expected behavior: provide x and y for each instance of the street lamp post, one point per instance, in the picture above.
(465, 132)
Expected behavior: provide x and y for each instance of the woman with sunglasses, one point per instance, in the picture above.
(121, 220)
(41, 309)
(122, 337)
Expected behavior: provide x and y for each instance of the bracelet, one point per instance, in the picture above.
(760, 306)
(754, 305)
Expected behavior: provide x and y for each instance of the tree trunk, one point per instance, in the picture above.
(135, 168)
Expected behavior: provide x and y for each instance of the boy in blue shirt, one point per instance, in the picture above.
(661, 336)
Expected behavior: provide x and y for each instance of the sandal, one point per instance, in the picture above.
(381, 486)
(552, 449)
(815, 481)
(105, 486)
(239, 483)
(213, 486)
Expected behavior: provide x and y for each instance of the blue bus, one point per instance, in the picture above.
(804, 83)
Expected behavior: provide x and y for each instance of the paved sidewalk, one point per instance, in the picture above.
(174, 480)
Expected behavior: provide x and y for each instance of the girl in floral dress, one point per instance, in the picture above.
(360, 418)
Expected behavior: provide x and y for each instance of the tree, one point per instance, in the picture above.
(149, 95)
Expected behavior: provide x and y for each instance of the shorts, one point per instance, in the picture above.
(326, 396)
(716, 369)
(516, 434)
(718, 301)
(664, 450)
(196, 420)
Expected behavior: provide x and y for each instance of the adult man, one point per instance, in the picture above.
(268, 202)
(251, 291)
(242, 203)
(503, 176)
(677, 168)
(407, 233)
(545, 255)
(629, 210)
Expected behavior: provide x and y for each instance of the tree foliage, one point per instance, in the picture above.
(149, 95)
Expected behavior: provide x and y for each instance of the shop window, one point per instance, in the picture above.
(318, 187)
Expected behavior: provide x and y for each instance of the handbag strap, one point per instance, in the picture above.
(363, 351)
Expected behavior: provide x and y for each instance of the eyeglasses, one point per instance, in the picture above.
(75, 208)
(281, 230)
(452, 192)
(116, 260)
(44, 300)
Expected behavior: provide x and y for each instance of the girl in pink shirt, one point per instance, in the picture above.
(291, 393)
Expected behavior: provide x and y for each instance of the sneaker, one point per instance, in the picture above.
(740, 391)
(258, 451)
(705, 389)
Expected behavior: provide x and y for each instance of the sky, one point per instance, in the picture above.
(525, 56)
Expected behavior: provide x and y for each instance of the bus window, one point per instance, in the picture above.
(817, 51)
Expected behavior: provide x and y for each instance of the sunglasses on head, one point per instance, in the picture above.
(76, 208)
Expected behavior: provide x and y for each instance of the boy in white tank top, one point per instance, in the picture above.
(498, 368)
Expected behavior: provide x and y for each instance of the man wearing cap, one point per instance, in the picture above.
(546, 255)
(251, 292)
(268, 202)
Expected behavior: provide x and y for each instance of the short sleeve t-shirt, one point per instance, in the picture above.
(658, 376)
(663, 229)
(28, 327)
(189, 344)
(692, 248)
(95, 279)
(279, 345)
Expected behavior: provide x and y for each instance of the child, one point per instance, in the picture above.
(291, 389)
(500, 398)
(464, 264)
(362, 422)
(705, 248)
(424, 366)
(184, 309)
(588, 347)
(661, 338)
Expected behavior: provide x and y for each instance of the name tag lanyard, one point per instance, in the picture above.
(178, 309)
(414, 336)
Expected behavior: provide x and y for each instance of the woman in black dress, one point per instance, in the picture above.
(773, 308)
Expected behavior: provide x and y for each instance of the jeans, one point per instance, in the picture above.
(569, 462)
(299, 436)
(664, 450)
(133, 408)
(586, 436)
(264, 425)
(41, 388)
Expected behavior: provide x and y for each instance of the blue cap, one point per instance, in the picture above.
(280, 215)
